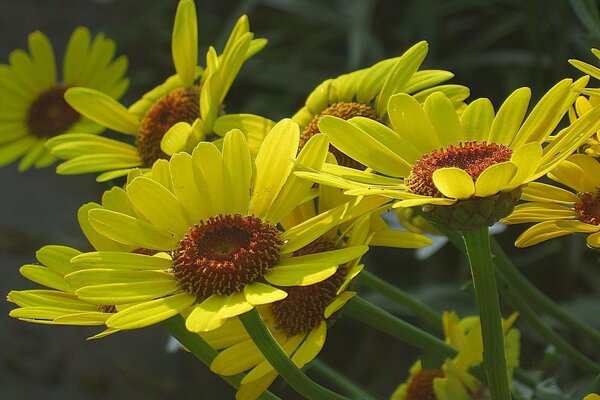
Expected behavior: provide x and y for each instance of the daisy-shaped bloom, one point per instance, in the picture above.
(435, 157)
(57, 304)
(298, 322)
(192, 97)
(33, 108)
(365, 93)
(453, 381)
(216, 213)
(557, 211)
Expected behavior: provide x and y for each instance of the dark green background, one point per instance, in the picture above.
(493, 47)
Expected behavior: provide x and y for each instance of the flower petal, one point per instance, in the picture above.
(258, 293)
(509, 117)
(572, 175)
(184, 43)
(527, 158)
(300, 275)
(151, 312)
(495, 178)
(537, 191)
(205, 316)
(443, 117)
(539, 233)
(454, 183)
(476, 121)
(411, 122)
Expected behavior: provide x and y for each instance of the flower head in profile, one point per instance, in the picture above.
(173, 117)
(453, 381)
(557, 211)
(216, 214)
(33, 105)
(434, 157)
(57, 303)
(365, 93)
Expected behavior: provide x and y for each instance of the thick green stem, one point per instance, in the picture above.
(419, 308)
(547, 333)
(385, 322)
(202, 350)
(520, 284)
(277, 357)
(339, 380)
(477, 244)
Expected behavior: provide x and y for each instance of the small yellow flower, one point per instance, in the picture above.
(172, 117)
(592, 396)
(557, 211)
(435, 157)
(33, 108)
(365, 93)
(453, 380)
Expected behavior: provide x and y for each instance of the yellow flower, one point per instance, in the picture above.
(435, 157)
(216, 212)
(193, 98)
(365, 93)
(453, 380)
(57, 305)
(33, 108)
(557, 211)
(592, 396)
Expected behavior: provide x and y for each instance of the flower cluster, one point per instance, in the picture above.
(237, 224)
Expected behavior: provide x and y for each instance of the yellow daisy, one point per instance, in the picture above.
(227, 253)
(592, 396)
(434, 157)
(32, 105)
(365, 93)
(558, 211)
(192, 97)
(57, 305)
(453, 380)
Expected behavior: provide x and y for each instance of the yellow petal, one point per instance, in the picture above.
(454, 183)
(338, 303)
(572, 175)
(476, 120)
(299, 275)
(537, 191)
(258, 293)
(510, 116)
(273, 165)
(237, 172)
(103, 109)
(527, 158)
(151, 312)
(443, 117)
(495, 178)
(404, 240)
(184, 42)
(205, 316)
(236, 304)
(539, 233)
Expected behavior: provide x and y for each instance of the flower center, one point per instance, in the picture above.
(472, 157)
(344, 111)
(304, 307)
(49, 114)
(421, 385)
(224, 254)
(109, 309)
(180, 105)
(588, 207)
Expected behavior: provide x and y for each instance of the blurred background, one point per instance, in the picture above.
(493, 47)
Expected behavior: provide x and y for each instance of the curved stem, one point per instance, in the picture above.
(202, 350)
(477, 244)
(520, 284)
(419, 308)
(393, 326)
(352, 389)
(547, 333)
(275, 355)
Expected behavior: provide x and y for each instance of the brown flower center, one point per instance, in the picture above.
(421, 385)
(472, 157)
(49, 114)
(303, 308)
(344, 111)
(588, 207)
(109, 309)
(180, 105)
(224, 254)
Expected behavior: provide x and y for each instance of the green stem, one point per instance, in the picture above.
(546, 332)
(520, 284)
(202, 350)
(385, 322)
(339, 380)
(419, 308)
(477, 244)
(277, 357)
